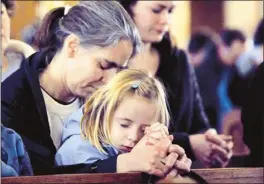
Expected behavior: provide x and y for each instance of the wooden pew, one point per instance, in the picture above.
(225, 175)
(232, 175)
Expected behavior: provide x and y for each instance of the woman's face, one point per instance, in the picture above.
(91, 68)
(5, 30)
(152, 19)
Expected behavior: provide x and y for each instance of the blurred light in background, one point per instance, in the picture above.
(180, 29)
(243, 15)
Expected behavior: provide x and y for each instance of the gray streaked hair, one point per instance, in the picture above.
(100, 23)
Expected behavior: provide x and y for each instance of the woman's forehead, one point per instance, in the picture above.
(165, 4)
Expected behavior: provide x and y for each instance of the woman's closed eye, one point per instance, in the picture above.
(107, 65)
(171, 10)
(157, 10)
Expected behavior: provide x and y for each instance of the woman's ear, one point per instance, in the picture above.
(71, 45)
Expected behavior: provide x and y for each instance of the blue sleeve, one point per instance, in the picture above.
(14, 157)
(7, 171)
(76, 150)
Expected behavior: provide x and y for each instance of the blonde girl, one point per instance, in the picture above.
(115, 120)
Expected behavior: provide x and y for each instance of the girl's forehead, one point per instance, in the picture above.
(137, 109)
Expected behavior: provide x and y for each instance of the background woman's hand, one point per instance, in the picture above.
(201, 148)
(221, 148)
(210, 148)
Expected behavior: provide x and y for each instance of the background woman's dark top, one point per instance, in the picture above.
(253, 119)
(186, 109)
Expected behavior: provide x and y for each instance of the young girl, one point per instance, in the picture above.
(115, 120)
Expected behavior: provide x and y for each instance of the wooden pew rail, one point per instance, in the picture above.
(225, 175)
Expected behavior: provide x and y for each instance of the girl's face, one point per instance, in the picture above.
(91, 68)
(132, 116)
(152, 19)
(5, 30)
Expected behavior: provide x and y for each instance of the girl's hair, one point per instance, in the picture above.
(95, 23)
(100, 108)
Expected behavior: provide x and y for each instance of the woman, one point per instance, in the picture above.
(171, 66)
(82, 52)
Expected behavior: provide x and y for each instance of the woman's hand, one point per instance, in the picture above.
(210, 148)
(221, 148)
(221, 155)
(201, 148)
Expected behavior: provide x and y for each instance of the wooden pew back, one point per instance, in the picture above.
(225, 175)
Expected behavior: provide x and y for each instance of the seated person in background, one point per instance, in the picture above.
(253, 57)
(244, 65)
(208, 67)
(13, 51)
(234, 51)
(28, 33)
(119, 119)
(14, 158)
(231, 49)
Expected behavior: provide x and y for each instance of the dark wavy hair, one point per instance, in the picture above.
(228, 36)
(127, 5)
(258, 36)
(10, 6)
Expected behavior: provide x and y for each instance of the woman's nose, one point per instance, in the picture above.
(165, 18)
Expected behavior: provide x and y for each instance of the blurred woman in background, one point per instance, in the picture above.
(13, 51)
(208, 66)
(171, 66)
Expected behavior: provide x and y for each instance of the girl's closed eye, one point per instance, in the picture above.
(124, 125)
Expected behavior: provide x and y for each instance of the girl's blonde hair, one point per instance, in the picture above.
(99, 109)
